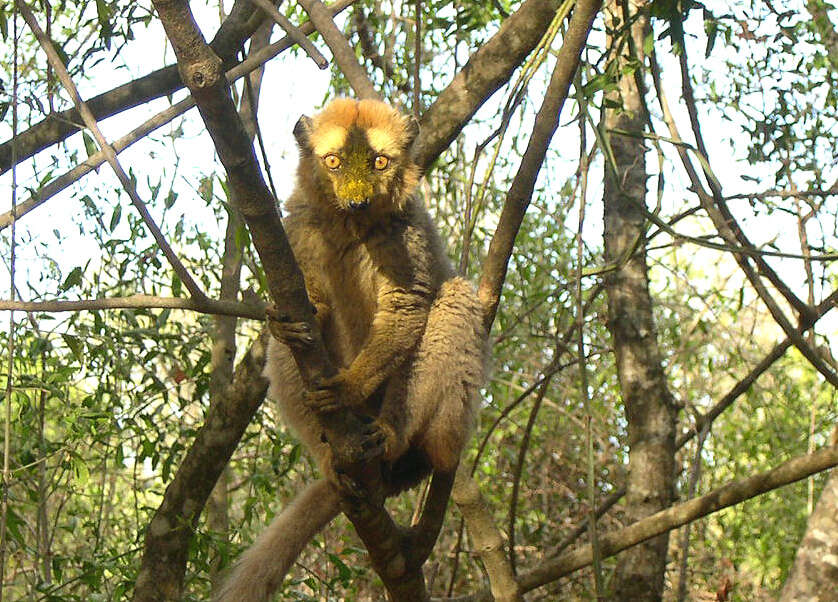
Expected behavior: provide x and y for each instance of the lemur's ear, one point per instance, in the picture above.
(302, 132)
(411, 130)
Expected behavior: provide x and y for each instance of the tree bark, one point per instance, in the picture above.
(649, 407)
(814, 576)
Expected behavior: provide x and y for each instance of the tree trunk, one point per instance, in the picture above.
(649, 407)
(814, 576)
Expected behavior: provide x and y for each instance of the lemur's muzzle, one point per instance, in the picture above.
(359, 205)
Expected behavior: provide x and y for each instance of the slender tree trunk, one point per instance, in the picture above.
(814, 576)
(649, 407)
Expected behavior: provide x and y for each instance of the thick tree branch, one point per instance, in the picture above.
(342, 52)
(201, 70)
(814, 576)
(168, 535)
(486, 538)
(520, 192)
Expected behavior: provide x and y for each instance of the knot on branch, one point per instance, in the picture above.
(203, 74)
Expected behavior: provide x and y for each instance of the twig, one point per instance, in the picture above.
(343, 54)
(733, 493)
(727, 225)
(10, 342)
(484, 73)
(234, 31)
(293, 32)
(724, 222)
(90, 122)
(706, 420)
(519, 470)
(584, 166)
(417, 60)
(695, 475)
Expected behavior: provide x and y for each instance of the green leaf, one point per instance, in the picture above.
(89, 144)
(115, 217)
(74, 344)
(72, 279)
(80, 470)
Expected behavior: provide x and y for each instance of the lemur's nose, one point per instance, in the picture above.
(358, 205)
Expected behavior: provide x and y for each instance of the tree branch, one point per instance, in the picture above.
(90, 122)
(723, 221)
(168, 535)
(201, 70)
(520, 192)
(344, 55)
(208, 306)
(486, 538)
(485, 72)
(294, 33)
(731, 494)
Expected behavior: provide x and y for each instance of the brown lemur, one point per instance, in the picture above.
(404, 330)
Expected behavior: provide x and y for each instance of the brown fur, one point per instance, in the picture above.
(405, 332)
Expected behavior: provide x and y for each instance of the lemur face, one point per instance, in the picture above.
(361, 153)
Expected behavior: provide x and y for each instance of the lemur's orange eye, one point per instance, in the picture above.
(331, 161)
(381, 162)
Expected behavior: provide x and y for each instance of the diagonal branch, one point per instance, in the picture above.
(723, 221)
(90, 122)
(485, 72)
(706, 420)
(520, 192)
(201, 70)
(293, 32)
(733, 228)
(731, 494)
(343, 53)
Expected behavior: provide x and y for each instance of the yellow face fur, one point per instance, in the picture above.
(359, 150)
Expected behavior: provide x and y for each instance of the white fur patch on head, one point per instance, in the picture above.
(328, 139)
(382, 142)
